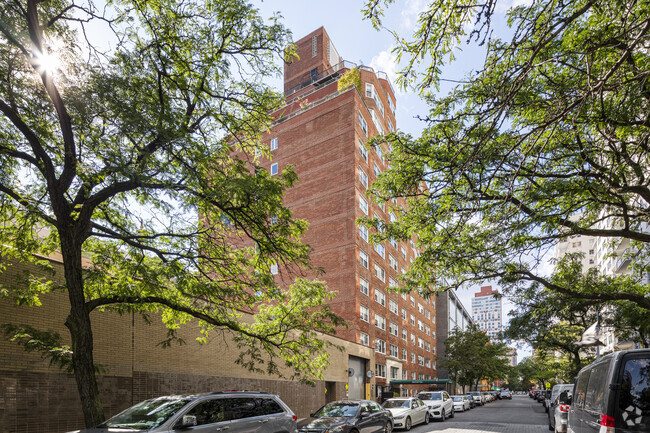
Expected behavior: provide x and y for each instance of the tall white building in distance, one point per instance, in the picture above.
(486, 311)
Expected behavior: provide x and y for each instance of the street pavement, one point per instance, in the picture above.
(519, 415)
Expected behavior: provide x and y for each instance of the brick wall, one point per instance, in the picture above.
(38, 398)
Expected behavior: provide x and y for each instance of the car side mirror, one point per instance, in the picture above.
(364, 414)
(187, 422)
(312, 415)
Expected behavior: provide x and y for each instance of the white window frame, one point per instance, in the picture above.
(393, 307)
(393, 329)
(380, 272)
(363, 233)
(274, 169)
(380, 297)
(364, 339)
(392, 262)
(274, 143)
(363, 177)
(363, 123)
(364, 286)
(380, 370)
(364, 313)
(380, 346)
(393, 350)
(363, 259)
(363, 205)
(380, 321)
(363, 151)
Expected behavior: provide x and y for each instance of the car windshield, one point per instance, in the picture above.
(148, 414)
(430, 396)
(458, 398)
(475, 393)
(337, 409)
(395, 404)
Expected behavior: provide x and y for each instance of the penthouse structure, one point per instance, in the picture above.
(486, 311)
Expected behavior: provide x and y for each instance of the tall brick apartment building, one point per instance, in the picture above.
(322, 131)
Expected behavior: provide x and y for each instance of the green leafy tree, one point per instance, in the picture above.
(133, 153)
(470, 357)
(547, 140)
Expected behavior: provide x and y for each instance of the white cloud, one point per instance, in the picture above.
(503, 6)
(411, 12)
(386, 62)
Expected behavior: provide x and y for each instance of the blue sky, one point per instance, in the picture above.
(357, 41)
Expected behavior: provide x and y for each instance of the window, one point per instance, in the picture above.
(405, 355)
(376, 169)
(403, 313)
(380, 345)
(392, 262)
(274, 169)
(364, 313)
(413, 359)
(420, 343)
(427, 313)
(274, 269)
(379, 272)
(363, 232)
(421, 360)
(394, 351)
(370, 90)
(391, 105)
(394, 373)
(390, 125)
(393, 307)
(405, 375)
(364, 339)
(363, 259)
(403, 252)
(380, 297)
(274, 143)
(392, 329)
(392, 282)
(634, 395)
(412, 301)
(427, 330)
(380, 322)
(363, 205)
(412, 338)
(363, 177)
(379, 248)
(420, 308)
(363, 151)
(364, 286)
(314, 46)
(362, 122)
(427, 346)
(393, 243)
(412, 320)
(379, 150)
(380, 370)
(413, 375)
(420, 325)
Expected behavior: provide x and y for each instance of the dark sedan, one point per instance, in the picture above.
(362, 416)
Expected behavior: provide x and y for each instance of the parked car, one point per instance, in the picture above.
(611, 394)
(555, 392)
(440, 404)
(478, 398)
(486, 397)
(407, 412)
(239, 412)
(461, 403)
(348, 416)
(506, 395)
(559, 412)
(546, 395)
(472, 402)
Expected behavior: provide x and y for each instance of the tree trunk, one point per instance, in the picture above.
(78, 322)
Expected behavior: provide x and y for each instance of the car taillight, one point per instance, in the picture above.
(564, 408)
(607, 421)
(295, 418)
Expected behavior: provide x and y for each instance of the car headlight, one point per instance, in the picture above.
(400, 417)
(336, 429)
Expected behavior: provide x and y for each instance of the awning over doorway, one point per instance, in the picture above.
(421, 382)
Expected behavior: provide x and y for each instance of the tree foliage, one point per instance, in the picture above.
(470, 357)
(547, 141)
(132, 151)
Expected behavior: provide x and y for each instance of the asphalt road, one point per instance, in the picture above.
(519, 415)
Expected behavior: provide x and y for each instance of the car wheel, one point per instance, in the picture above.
(442, 416)
(407, 423)
(389, 427)
(426, 418)
(452, 413)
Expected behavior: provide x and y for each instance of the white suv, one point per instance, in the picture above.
(440, 405)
